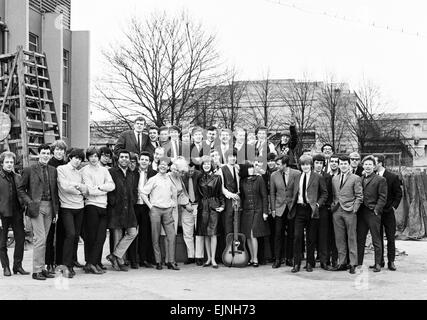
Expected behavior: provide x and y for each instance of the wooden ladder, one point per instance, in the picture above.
(26, 96)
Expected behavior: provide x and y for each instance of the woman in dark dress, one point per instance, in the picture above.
(254, 199)
(211, 204)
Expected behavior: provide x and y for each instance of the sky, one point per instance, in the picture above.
(291, 39)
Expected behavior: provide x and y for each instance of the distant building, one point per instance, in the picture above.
(44, 26)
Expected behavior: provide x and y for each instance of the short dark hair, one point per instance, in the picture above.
(344, 158)
(211, 128)
(328, 145)
(334, 156)
(284, 159)
(146, 154)
(369, 158)
(92, 151)
(153, 128)
(319, 157)
(76, 153)
(106, 151)
(124, 151)
(139, 119)
(271, 157)
(261, 128)
(381, 158)
(44, 147)
(133, 156)
(164, 128)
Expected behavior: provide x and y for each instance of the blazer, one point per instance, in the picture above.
(374, 192)
(195, 177)
(149, 147)
(317, 194)
(281, 197)
(350, 196)
(127, 141)
(30, 190)
(194, 154)
(168, 148)
(328, 181)
(6, 205)
(394, 191)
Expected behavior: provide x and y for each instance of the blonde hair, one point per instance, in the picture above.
(180, 164)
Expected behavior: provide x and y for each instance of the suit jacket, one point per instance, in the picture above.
(6, 205)
(168, 149)
(317, 194)
(350, 196)
(359, 171)
(196, 154)
(127, 141)
(221, 155)
(149, 147)
(281, 196)
(394, 191)
(195, 177)
(328, 181)
(374, 192)
(30, 190)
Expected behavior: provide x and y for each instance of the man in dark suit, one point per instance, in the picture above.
(356, 167)
(325, 250)
(369, 215)
(226, 145)
(173, 148)
(388, 218)
(195, 252)
(309, 194)
(142, 245)
(153, 140)
(347, 197)
(39, 191)
(132, 140)
(281, 202)
(196, 148)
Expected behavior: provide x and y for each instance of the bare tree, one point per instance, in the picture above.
(157, 68)
(334, 100)
(299, 98)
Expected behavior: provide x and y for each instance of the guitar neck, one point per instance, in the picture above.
(236, 220)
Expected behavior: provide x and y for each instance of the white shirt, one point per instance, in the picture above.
(141, 183)
(136, 137)
(224, 149)
(381, 172)
(301, 182)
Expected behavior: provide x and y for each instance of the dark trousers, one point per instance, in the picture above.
(332, 254)
(17, 224)
(59, 243)
(227, 217)
(284, 236)
(72, 221)
(50, 246)
(324, 238)
(368, 221)
(95, 233)
(142, 246)
(303, 221)
(388, 224)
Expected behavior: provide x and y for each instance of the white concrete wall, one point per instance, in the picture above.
(80, 89)
(17, 20)
(52, 43)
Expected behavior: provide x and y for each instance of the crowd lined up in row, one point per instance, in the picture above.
(154, 179)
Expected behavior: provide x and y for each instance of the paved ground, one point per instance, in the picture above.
(264, 283)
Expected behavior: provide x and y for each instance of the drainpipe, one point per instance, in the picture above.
(5, 32)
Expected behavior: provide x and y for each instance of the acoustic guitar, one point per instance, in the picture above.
(235, 254)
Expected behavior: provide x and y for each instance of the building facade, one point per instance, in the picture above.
(44, 26)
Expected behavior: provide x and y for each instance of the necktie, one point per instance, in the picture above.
(235, 176)
(191, 190)
(304, 189)
(139, 142)
(342, 180)
(284, 179)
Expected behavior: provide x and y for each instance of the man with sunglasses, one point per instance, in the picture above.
(355, 166)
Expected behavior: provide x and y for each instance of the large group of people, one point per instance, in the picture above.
(317, 207)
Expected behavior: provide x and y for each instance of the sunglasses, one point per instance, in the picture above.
(354, 159)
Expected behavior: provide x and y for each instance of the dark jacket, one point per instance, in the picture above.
(289, 148)
(328, 182)
(195, 177)
(31, 188)
(7, 207)
(148, 146)
(394, 191)
(121, 201)
(374, 192)
(127, 141)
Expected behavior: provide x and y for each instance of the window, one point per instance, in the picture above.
(65, 118)
(33, 43)
(66, 59)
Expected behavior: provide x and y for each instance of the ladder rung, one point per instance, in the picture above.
(34, 144)
(32, 53)
(38, 111)
(37, 98)
(45, 122)
(39, 133)
(9, 98)
(35, 76)
(35, 87)
(29, 63)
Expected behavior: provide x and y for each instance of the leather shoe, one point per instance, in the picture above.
(113, 259)
(391, 266)
(102, 266)
(199, 262)
(123, 267)
(90, 268)
(39, 276)
(134, 265)
(377, 268)
(99, 268)
(20, 270)
(352, 269)
(289, 263)
(78, 265)
(309, 268)
(6, 272)
(323, 266)
(339, 267)
(50, 268)
(159, 266)
(295, 269)
(282, 261)
(190, 261)
(172, 266)
(381, 265)
(276, 264)
(47, 275)
(146, 264)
